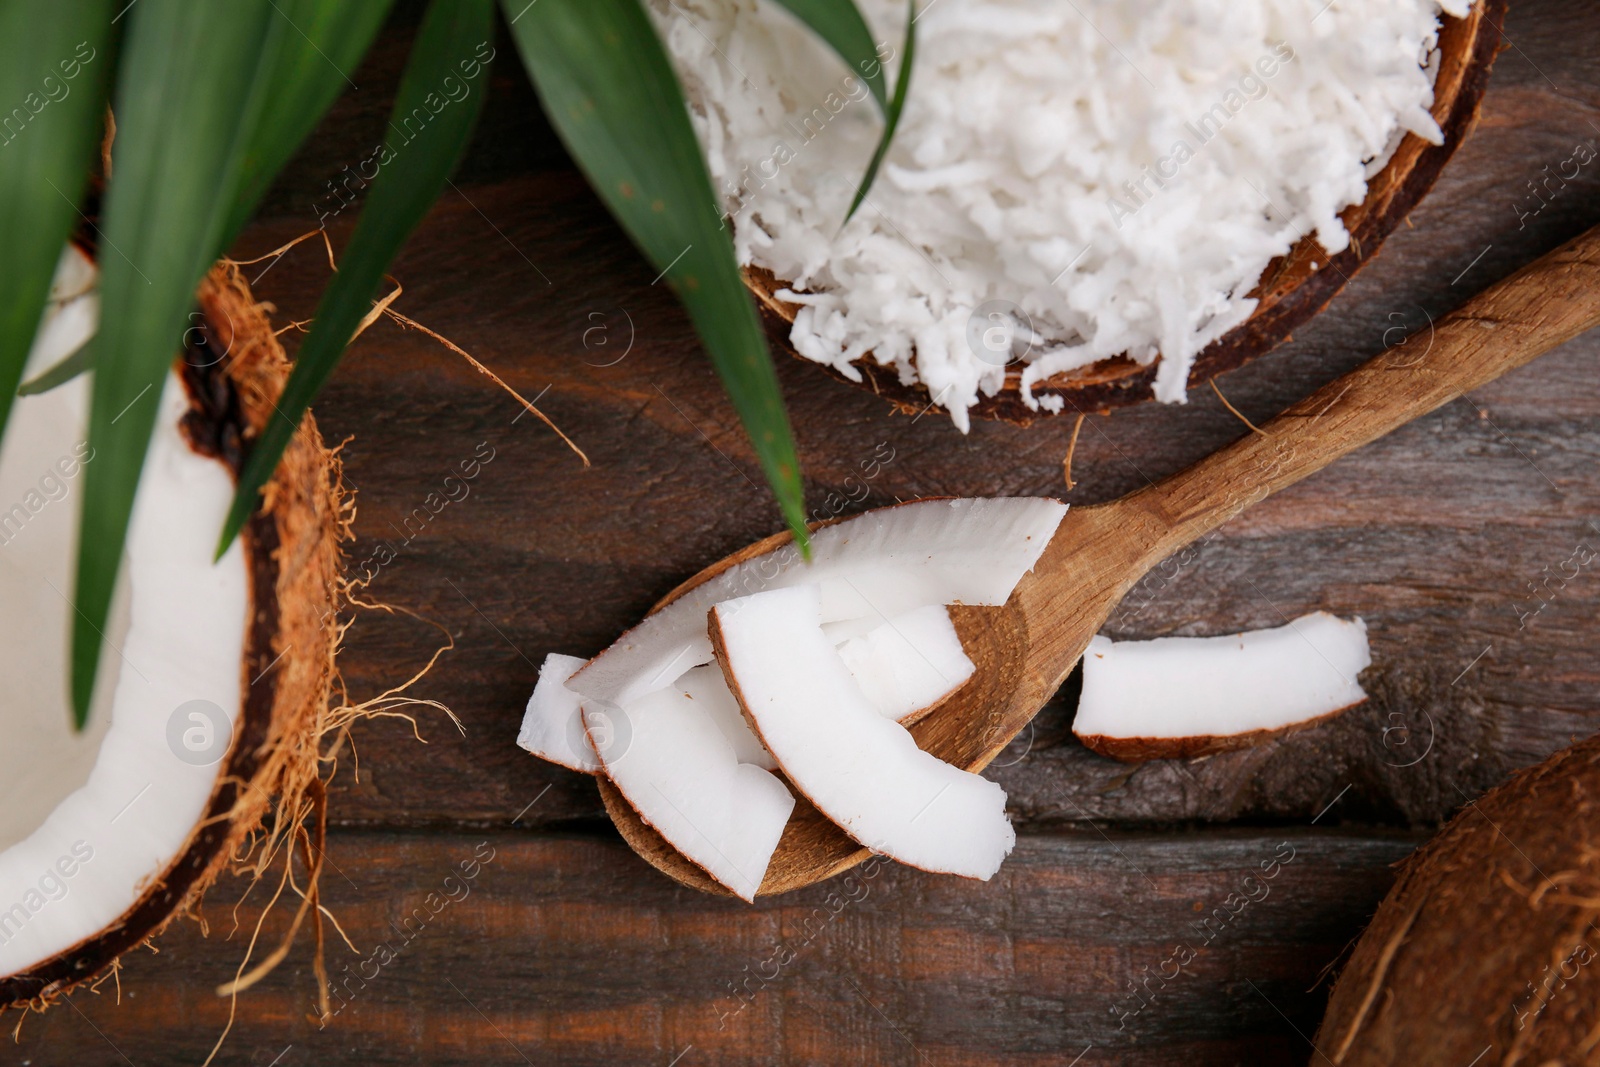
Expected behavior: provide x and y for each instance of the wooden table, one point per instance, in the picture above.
(565, 948)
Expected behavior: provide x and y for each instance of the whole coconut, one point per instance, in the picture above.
(1487, 949)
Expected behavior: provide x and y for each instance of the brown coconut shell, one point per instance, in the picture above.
(1292, 289)
(1140, 749)
(1487, 950)
(234, 371)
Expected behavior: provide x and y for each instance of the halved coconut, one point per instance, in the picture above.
(873, 566)
(906, 666)
(1190, 696)
(214, 679)
(860, 769)
(670, 759)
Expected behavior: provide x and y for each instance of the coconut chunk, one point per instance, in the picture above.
(672, 762)
(859, 768)
(1189, 696)
(908, 664)
(706, 686)
(552, 727)
(876, 565)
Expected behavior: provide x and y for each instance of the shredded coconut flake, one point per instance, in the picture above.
(1071, 180)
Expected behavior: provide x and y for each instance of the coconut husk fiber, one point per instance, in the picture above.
(1487, 950)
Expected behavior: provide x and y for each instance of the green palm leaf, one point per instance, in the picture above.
(316, 47)
(62, 373)
(611, 94)
(47, 142)
(897, 104)
(182, 104)
(429, 129)
(839, 23)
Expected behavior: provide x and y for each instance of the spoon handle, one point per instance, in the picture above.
(1547, 302)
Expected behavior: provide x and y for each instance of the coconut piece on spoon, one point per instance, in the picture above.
(906, 666)
(671, 761)
(705, 686)
(875, 565)
(862, 770)
(1177, 697)
(553, 727)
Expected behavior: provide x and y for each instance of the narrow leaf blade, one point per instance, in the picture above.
(897, 104)
(319, 44)
(612, 95)
(63, 372)
(53, 74)
(429, 130)
(182, 90)
(839, 23)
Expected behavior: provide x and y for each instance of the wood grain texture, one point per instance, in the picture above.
(1432, 534)
(555, 951)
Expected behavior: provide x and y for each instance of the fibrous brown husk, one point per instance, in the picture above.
(234, 370)
(1487, 950)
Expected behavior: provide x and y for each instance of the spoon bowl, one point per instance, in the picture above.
(1023, 650)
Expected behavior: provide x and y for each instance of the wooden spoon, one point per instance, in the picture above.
(1025, 649)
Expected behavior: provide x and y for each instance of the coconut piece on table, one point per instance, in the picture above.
(671, 761)
(873, 566)
(908, 664)
(1190, 696)
(553, 726)
(860, 769)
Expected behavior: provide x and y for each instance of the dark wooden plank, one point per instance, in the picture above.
(558, 951)
(1433, 535)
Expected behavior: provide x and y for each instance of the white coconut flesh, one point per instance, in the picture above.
(553, 726)
(862, 770)
(88, 821)
(669, 757)
(908, 664)
(874, 566)
(1218, 687)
